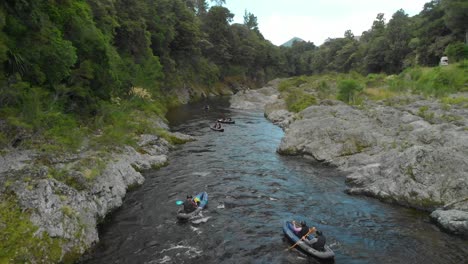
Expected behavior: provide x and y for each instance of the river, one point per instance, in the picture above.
(252, 190)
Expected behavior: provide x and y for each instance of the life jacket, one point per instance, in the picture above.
(320, 244)
(189, 206)
(304, 231)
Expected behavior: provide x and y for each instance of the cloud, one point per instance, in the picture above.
(280, 28)
(317, 20)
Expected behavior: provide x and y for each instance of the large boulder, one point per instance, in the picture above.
(256, 99)
(454, 221)
(276, 112)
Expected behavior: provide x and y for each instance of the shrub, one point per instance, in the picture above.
(441, 81)
(457, 51)
(298, 101)
(347, 90)
(287, 84)
(62, 132)
(373, 80)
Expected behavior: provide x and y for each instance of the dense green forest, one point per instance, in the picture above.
(439, 29)
(71, 67)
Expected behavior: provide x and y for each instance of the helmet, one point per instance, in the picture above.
(319, 233)
(196, 199)
(303, 223)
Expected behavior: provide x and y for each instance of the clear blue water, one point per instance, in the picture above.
(252, 191)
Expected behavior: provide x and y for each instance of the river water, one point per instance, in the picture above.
(252, 190)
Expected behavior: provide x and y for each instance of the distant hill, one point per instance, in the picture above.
(290, 42)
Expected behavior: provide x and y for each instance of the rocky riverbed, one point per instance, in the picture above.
(67, 196)
(407, 150)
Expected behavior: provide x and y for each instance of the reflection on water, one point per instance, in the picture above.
(252, 190)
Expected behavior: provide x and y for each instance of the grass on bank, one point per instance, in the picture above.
(32, 115)
(440, 82)
(20, 243)
(42, 123)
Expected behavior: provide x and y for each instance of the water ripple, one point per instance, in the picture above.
(252, 191)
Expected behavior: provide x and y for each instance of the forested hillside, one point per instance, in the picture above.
(62, 62)
(389, 47)
(66, 62)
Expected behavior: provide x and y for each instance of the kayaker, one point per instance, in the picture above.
(304, 229)
(321, 240)
(189, 204)
(301, 230)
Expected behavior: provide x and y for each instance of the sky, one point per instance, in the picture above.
(317, 20)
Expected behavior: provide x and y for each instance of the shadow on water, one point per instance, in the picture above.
(252, 191)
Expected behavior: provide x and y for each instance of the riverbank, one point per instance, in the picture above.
(54, 195)
(406, 150)
(60, 199)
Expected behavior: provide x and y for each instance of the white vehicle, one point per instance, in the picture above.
(443, 61)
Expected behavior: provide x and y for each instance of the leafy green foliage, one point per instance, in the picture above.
(298, 101)
(457, 51)
(397, 37)
(459, 100)
(62, 132)
(441, 81)
(348, 89)
(285, 85)
(456, 15)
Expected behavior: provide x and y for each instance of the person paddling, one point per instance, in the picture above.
(189, 204)
(321, 240)
(302, 231)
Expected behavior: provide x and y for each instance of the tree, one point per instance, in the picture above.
(250, 20)
(456, 17)
(397, 37)
(219, 2)
(200, 7)
(378, 26)
(432, 35)
(375, 45)
(349, 34)
(345, 57)
(216, 25)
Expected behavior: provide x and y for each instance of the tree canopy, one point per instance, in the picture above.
(83, 52)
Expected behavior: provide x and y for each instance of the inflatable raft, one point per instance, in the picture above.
(288, 231)
(203, 196)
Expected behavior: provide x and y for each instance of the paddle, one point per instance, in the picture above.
(179, 202)
(311, 230)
